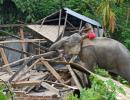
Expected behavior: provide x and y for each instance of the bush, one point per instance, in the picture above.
(5, 91)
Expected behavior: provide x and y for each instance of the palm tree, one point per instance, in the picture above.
(105, 9)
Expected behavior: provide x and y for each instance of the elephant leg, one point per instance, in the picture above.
(124, 72)
(88, 56)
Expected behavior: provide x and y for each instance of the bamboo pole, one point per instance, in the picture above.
(64, 24)
(59, 22)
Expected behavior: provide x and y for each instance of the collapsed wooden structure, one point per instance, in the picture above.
(28, 65)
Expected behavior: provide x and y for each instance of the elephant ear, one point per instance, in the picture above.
(72, 44)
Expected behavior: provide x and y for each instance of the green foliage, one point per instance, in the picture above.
(2, 96)
(100, 90)
(1, 1)
(5, 92)
(102, 72)
(71, 97)
(123, 81)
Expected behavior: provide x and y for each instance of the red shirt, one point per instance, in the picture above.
(91, 35)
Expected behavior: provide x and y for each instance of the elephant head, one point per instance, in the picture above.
(71, 45)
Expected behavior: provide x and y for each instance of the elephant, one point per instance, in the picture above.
(107, 53)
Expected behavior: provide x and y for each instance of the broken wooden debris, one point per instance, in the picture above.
(73, 74)
(52, 70)
(48, 54)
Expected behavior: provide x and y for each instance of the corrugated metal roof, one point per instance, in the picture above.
(82, 17)
(48, 31)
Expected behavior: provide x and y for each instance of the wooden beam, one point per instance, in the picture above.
(71, 25)
(49, 87)
(25, 83)
(22, 38)
(52, 70)
(64, 24)
(22, 41)
(46, 17)
(5, 60)
(59, 22)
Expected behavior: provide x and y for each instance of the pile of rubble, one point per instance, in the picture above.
(41, 72)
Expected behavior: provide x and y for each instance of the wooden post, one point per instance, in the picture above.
(5, 60)
(22, 38)
(64, 24)
(59, 22)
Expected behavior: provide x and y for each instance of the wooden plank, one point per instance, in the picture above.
(73, 74)
(22, 38)
(49, 87)
(52, 70)
(25, 83)
(5, 60)
(49, 32)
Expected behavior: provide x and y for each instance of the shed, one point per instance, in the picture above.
(61, 23)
